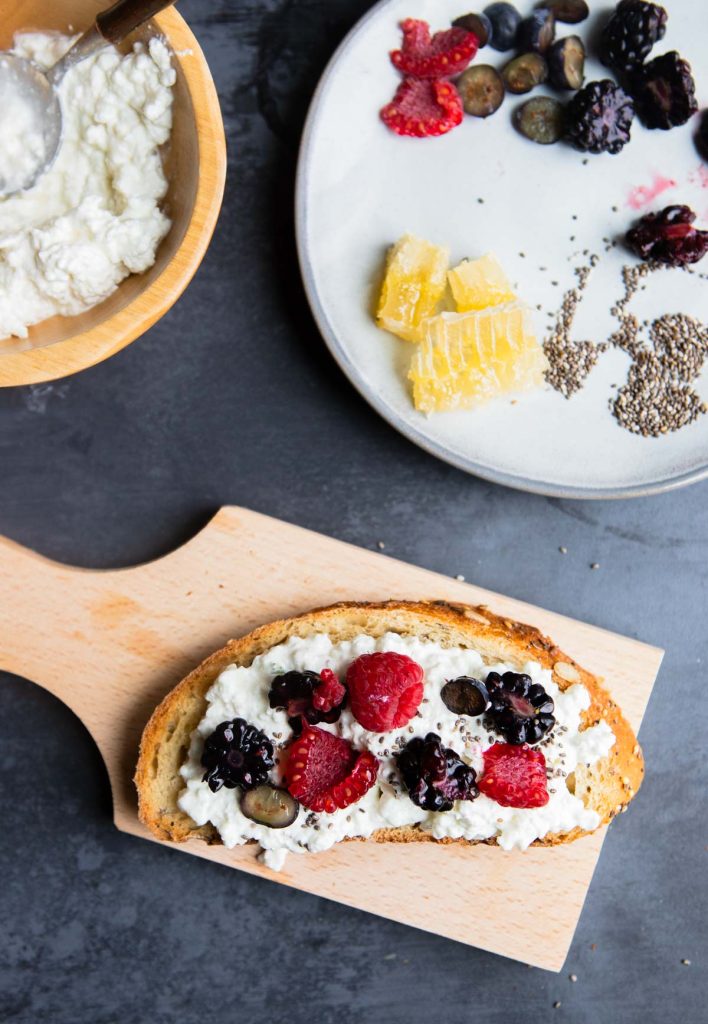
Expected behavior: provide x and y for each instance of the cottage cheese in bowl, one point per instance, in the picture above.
(243, 692)
(95, 217)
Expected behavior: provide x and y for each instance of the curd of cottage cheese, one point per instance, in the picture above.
(23, 147)
(94, 218)
(243, 692)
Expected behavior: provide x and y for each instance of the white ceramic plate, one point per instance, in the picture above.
(483, 187)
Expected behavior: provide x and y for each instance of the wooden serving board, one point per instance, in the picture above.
(111, 644)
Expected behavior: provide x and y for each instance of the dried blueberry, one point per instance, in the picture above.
(536, 33)
(478, 24)
(541, 120)
(482, 90)
(570, 12)
(524, 73)
(466, 696)
(521, 710)
(236, 754)
(270, 805)
(566, 63)
(434, 775)
(668, 237)
(505, 20)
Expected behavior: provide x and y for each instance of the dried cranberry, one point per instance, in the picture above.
(668, 237)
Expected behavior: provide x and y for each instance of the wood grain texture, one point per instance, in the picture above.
(195, 162)
(112, 644)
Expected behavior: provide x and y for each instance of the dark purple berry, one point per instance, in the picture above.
(631, 32)
(505, 20)
(599, 118)
(570, 12)
(292, 693)
(478, 24)
(524, 73)
(668, 237)
(236, 754)
(434, 775)
(521, 710)
(465, 696)
(270, 805)
(541, 120)
(566, 63)
(701, 137)
(481, 89)
(664, 92)
(536, 33)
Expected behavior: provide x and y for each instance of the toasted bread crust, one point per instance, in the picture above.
(606, 787)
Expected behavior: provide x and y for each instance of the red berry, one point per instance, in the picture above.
(385, 690)
(325, 773)
(446, 54)
(329, 693)
(514, 776)
(423, 108)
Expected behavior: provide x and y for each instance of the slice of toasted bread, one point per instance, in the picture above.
(605, 787)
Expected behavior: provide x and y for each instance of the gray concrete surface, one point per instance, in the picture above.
(233, 398)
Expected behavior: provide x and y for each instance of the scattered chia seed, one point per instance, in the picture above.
(570, 361)
(595, 565)
(657, 397)
(380, 545)
(563, 551)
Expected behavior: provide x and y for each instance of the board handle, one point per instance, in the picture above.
(36, 595)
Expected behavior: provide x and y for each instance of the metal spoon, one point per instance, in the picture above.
(22, 79)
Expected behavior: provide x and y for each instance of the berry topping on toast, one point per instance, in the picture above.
(236, 754)
(325, 773)
(521, 710)
(434, 775)
(514, 776)
(315, 697)
(385, 690)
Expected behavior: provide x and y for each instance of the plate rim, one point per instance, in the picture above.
(356, 378)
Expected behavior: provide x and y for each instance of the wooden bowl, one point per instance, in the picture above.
(195, 163)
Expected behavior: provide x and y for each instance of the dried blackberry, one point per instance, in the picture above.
(293, 692)
(599, 118)
(521, 710)
(627, 38)
(664, 92)
(434, 775)
(236, 754)
(668, 237)
(701, 137)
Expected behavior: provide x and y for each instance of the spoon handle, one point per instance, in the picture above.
(126, 15)
(111, 26)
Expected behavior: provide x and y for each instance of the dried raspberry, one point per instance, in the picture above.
(514, 776)
(446, 54)
(385, 690)
(423, 108)
(325, 773)
(329, 693)
(668, 237)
